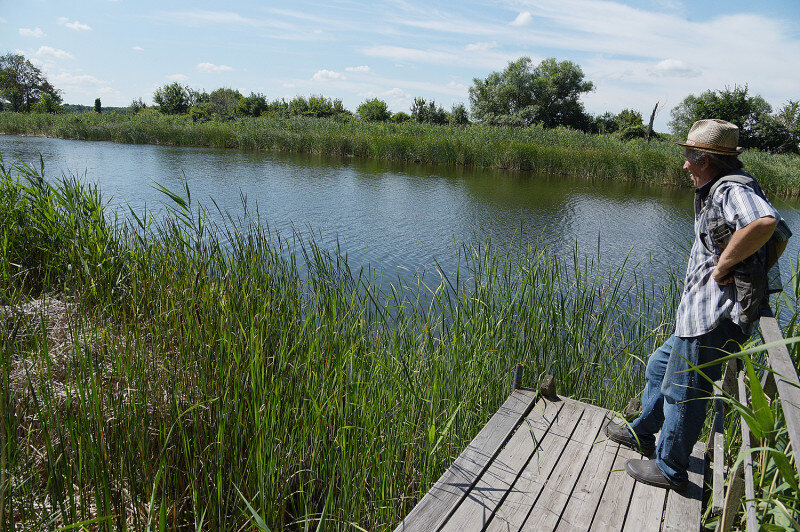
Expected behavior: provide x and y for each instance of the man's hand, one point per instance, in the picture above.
(722, 277)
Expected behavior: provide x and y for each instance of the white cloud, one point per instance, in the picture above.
(178, 77)
(396, 98)
(523, 19)
(137, 48)
(109, 92)
(396, 92)
(211, 68)
(362, 68)
(455, 56)
(206, 18)
(327, 75)
(77, 26)
(481, 46)
(35, 32)
(399, 53)
(289, 85)
(64, 78)
(53, 53)
(673, 68)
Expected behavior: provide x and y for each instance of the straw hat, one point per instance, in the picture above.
(713, 136)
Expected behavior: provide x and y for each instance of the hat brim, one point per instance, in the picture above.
(715, 151)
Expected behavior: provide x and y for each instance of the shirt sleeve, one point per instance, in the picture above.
(782, 231)
(741, 205)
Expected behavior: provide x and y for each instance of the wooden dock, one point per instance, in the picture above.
(548, 465)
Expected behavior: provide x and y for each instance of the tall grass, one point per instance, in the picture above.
(206, 372)
(191, 375)
(537, 149)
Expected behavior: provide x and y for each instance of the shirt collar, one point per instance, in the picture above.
(701, 193)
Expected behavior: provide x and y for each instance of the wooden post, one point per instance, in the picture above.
(716, 438)
(650, 125)
(733, 498)
(518, 377)
(631, 411)
(548, 387)
(749, 487)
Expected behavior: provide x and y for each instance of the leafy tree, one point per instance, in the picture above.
(279, 108)
(522, 95)
(201, 112)
(223, 103)
(374, 110)
(605, 123)
(320, 107)
(98, 107)
(633, 132)
(339, 108)
(629, 125)
(770, 134)
(47, 104)
(789, 118)
(733, 105)
(174, 98)
(136, 105)
(400, 117)
(315, 106)
(253, 105)
(298, 106)
(427, 112)
(22, 84)
(458, 115)
(629, 118)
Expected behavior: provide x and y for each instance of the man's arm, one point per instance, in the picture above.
(744, 242)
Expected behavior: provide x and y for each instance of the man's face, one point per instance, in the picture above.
(697, 171)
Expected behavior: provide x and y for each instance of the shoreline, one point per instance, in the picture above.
(557, 151)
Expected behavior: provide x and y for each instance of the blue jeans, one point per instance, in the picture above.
(675, 402)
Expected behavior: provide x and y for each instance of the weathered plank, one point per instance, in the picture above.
(682, 512)
(556, 492)
(786, 380)
(646, 508)
(733, 498)
(749, 487)
(728, 385)
(436, 506)
(613, 505)
(513, 509)
(479, 505)
(578, 514)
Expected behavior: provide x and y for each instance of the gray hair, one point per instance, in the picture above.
(722, 163)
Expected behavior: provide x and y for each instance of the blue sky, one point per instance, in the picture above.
(636, 53)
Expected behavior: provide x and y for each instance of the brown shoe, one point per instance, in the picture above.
(647, 472)
(621, 434)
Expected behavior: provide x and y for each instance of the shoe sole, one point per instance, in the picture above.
(630, 444)
(664, 485)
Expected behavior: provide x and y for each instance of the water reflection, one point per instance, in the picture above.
(399, 218)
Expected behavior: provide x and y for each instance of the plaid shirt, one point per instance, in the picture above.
(705, 303)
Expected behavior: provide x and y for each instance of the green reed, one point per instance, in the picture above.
(218, 376)
(558, 151)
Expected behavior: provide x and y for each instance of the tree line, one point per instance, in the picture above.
(521, 95)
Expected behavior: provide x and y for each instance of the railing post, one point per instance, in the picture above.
(548, 387)
(518, 377)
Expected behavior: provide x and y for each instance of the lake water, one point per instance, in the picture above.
(400, 219)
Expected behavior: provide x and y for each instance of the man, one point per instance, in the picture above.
(709, 318)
